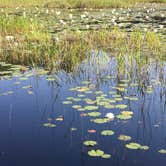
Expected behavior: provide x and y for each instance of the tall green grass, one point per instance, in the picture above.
(76, 3)
(73, 47)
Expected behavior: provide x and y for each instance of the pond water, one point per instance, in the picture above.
(45, 119)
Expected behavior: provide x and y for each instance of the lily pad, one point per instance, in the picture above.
(49, 125)
(94, 114)
(100, 120)
(133, 145)
(90, 143)
(107, 132)
(67, 102)
(163, 151)
(124, 137)
(124, 117)
(91, 107)
(76, 106)
(95, 153)
(106, 156)
(121, 106)
(144, 147)
(127, 113)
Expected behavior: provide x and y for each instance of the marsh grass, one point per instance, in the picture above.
(20, 26)
(76, 3)
(28, 41)
(32, 44)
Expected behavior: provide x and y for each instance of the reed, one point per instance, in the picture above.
(76, 3)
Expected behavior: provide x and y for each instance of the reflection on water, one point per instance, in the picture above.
(30, 100)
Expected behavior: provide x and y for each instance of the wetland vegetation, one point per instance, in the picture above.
(83, 82)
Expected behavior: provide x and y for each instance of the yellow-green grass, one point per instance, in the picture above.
(72, 47)
(75, 3)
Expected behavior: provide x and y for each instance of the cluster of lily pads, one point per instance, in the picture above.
(21, 73)
(95, 19)
(101, 100)
(114, 100)
(95, 153)
(134, 145)
(83, 102)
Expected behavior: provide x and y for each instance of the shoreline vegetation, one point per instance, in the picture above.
(26, 38)
(38, 48)
(76, 3)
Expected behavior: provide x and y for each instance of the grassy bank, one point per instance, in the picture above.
(76, 3)
(25, 41)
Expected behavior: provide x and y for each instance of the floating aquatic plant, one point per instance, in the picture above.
(127, 113)
(101, 120)
(134, 145)
(76, 99)
(163, 151)
(109, 106)
(90, 143)
(144, 147)
(106, 156)
(107, 132)
(124, 137)
(89, 101)
(76, 106)
(96, 153)
(124, 117)
(67, 102)
(81, 109)
(121, 106)
(91, 107)
(94, 114)
(49, 125)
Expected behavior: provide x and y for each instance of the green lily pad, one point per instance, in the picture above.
(124, 117)
(81, 109)
(107, 132)
(94, 114)
(95, 153)
(144, 147)
(67, 102)
(163, 151)
(49, 125)
(124, 137)
(90, 143)
(76, 106)
(121, 106)
(109, 106)
(70, 98)
(133, 145)
(106, 156)
(98, 92)
(100, 120)
(76, 99)
(91, 107)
